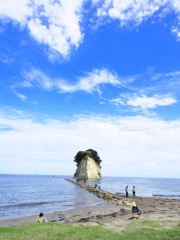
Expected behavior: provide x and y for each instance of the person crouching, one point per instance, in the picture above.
(135, 212)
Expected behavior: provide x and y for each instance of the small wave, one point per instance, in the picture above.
(166, 195)
(25, 204)
(120, 193)
(70, 205)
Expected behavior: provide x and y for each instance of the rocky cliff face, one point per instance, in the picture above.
(88, 169)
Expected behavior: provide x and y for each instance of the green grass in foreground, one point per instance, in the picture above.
(55, 231)
(146, 223)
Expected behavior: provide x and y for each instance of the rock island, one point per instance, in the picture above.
(88, 165)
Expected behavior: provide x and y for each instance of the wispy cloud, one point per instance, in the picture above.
(94, 79)
(166, 82)
(168, 75)
(91, 82)
(128, 140)
(159, 89)
(20, 95)
(149, 91)
(6, 59)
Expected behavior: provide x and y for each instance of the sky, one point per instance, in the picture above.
(81, 74)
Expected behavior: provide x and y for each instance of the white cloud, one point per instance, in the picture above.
(176, 30)
(136, 11)
(54, 23)
(131, 10)
(149, 91)
(128, 146)
(144, 102)
(61, 26)
(176, 5)
(58, 23)
(15, 10)
(89, 83)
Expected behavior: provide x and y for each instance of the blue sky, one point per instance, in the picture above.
(80, 74)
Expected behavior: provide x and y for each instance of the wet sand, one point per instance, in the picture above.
(115, 213)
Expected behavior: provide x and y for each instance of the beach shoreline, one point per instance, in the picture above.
(151, 208)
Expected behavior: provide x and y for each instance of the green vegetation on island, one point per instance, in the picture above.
(90, 153)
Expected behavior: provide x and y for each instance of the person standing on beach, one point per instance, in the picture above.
(126, 191)
(134, 191)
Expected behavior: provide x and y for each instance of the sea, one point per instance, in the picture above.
(26, 195)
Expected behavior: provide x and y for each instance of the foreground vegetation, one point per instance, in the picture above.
(55, 231)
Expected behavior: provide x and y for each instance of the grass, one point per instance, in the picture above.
(150, 224)
(55, 231)
(151, 234)
(171, 216)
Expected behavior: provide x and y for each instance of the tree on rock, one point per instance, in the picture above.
(90, 153)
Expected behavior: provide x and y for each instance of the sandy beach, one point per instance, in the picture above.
(110, 214)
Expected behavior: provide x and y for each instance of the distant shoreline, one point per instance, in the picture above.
(152, 208)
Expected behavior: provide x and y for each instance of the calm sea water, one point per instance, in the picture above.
(25, 195)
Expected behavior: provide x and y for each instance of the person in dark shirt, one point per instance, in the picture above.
(135, 212)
